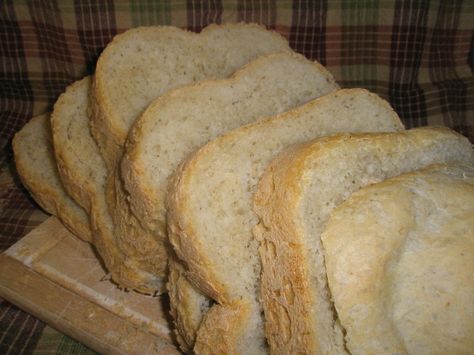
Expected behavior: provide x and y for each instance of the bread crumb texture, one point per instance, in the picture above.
(399, 258)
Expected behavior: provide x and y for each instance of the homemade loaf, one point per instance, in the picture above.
(36, 166)
(143, 63)
(400, 258)
(210, 214)
(297, 193)
(182, 120)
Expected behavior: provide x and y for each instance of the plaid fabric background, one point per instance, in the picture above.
(416, 54)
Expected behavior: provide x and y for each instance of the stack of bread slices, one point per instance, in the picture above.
(281, 213)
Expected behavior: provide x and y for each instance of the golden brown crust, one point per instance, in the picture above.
(149, 253)
(108, 139)
(80, 195)
(286, 294)
(186, 245)
(53, 199)
(75, 220)
(221, 328)
(126, 272)
(79, 192)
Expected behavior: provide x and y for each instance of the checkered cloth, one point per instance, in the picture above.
(416, 54)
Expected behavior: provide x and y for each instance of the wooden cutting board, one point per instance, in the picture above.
(57, 278)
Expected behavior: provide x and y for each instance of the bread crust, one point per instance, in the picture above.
(284, 259)
(220, 330)
(81, 188)
(187, 305)
(49, 194)
(288, 249)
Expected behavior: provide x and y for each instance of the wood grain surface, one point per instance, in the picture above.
(58, 279)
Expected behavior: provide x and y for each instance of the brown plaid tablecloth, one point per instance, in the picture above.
(416, 54)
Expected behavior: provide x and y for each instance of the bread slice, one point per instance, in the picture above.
(295, 197)
(36, 166)
(143, 63)
(83, 173)
(81, 168)
(178, 122)
(210, 202)
(399, 257)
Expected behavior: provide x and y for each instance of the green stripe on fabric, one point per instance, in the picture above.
(70, 346)
(54, 342)
(48, 342)
(361, 12)
(359, 41)
(146, 13)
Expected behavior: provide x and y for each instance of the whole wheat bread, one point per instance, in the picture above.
(36, 166)
(182, 120)
(399, 257)
(295, 197)
(210, 206)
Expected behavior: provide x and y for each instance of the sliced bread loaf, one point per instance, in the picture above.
(294, 199)
(399, 257)
(182, 120)
(143, 63)
(210, 215)
(36, 166)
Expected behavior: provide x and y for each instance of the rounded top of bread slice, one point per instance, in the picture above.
(80, 164)
(182, 120)
(36, 166)
(399, 257)
(142, 63)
